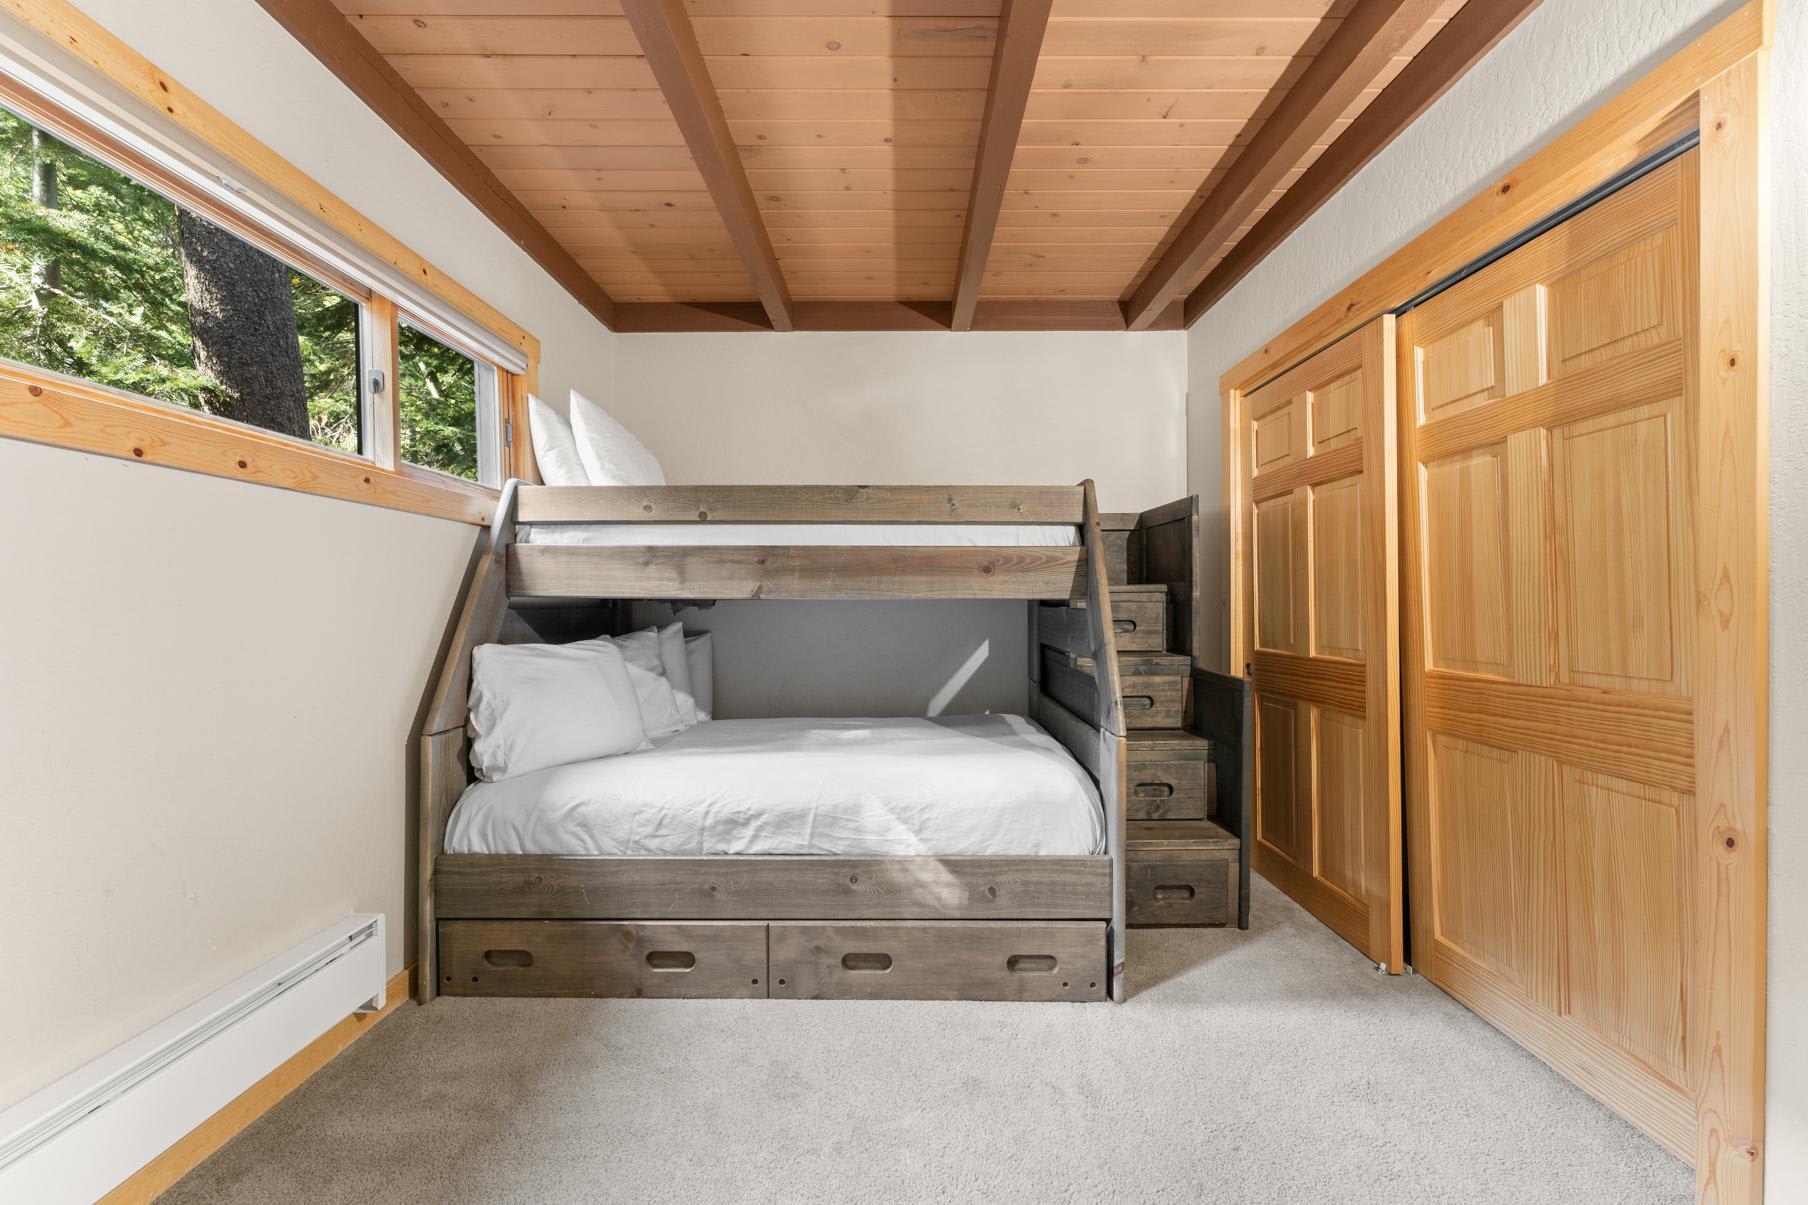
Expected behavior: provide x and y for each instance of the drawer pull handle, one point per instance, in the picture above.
(671, 960)
(866, 962)
(1123, 626)
(508, 958)
(1174, 891)
(1154, 790)
(1030, 964)
(1139, 702)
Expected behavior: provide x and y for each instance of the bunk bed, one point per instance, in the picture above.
(562, 563)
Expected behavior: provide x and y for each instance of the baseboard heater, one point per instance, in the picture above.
(84, 1135)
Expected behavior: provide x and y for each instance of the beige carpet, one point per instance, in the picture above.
(1272, 1066)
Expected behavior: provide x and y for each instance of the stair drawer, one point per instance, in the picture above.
(1166, 790)
(1139, 620)
(723, 960)
(1182, 887)
(1153, 686)
(949, 960)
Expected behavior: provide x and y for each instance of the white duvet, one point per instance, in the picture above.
(855, 535)
(984, 784)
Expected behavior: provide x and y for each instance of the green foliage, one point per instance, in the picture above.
(438, 400)
(93, 288)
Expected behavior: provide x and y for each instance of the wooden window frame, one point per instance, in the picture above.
(43, 406)
(1718, 87)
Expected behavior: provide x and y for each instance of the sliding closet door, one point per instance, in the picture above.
(1317, 631)
(1549, 443)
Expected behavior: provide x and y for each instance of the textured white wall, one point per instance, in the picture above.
(978, 408)
(990, 408)
(205, 686)
(1567, 57)
(1787, 1113)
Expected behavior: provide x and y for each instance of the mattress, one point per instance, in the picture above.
(855, 535)
(983, 784)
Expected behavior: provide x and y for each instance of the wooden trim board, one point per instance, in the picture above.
(157, 1176)
(41, 407)
(1642, 119)
(663, 317)
(952, 504)
(1372, 32)
(1732, 554)
(722, 571)
(772, 887)
(1471, 33)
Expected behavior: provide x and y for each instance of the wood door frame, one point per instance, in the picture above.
(1717, 85)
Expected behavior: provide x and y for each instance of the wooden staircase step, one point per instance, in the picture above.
(1178, 834)
(1169, 744)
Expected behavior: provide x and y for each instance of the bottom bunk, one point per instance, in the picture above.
(961, 857)
(966, 927)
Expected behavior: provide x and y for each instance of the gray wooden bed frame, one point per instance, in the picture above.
(954, 927)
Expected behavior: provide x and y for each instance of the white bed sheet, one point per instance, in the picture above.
(985, 784)
(855, 535)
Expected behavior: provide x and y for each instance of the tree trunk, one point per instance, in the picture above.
(46, 274)
(242, 315)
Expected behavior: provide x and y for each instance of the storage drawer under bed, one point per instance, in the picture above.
(939, 960)
(671, 960)
(799, 960)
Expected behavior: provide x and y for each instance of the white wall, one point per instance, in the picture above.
(1567, 57)
(874, 409)
(205, 686)
(916, 407)
(1787, 1143)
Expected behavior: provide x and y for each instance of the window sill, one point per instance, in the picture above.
(47, 408)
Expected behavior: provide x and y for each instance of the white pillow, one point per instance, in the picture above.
(610, 453)
(646, 670)
(540, 705)
(699, 651)
(678, 671)
(555, 451)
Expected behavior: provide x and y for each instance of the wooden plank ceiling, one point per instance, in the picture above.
(855, 126)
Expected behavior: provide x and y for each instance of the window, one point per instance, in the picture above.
(447, 399)
(105, 279)
(173, 292)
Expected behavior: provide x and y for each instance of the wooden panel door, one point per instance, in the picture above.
(1548, 431)
(1315, 625)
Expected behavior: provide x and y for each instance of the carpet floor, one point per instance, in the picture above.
(1268, 1066)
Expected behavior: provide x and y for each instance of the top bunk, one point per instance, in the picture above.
(793, 542)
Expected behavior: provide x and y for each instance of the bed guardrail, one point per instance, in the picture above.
(653, 571)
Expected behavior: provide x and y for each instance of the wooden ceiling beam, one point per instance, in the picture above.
(1471, 33)
(1372, 33)
(331, 37)
(1021, 26)
(670, 45)
(1003, 315)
